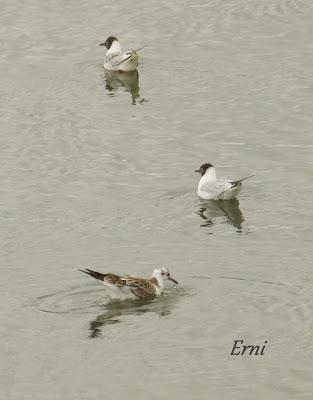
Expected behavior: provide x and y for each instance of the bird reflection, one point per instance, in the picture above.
(211, 210)
(128, 80)
(114, 310)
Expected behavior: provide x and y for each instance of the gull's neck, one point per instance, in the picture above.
(115, 47)
(157, 279)
(210, 174)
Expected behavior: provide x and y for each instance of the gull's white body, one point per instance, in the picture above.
(210, 188)
(118, 293)
(116, 60)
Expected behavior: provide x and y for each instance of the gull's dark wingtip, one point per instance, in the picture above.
(93, 274)
(235, 183)
(85, 272)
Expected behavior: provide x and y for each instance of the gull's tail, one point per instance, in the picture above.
(94, 274)
(235, 183)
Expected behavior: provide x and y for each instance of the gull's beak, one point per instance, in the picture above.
(102, 44)
(197, 170)
(173, 280)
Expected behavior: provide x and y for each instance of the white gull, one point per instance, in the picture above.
(210, 188)
(116, 59)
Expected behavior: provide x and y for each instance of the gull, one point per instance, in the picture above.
(116, 59)
(210, 188)
(123, 287)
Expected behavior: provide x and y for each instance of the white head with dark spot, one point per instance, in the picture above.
(208, 170)
(162, 274)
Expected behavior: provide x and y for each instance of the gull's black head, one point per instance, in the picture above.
(204, 167)
(108, 42)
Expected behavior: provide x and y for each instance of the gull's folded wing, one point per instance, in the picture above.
(116, 59)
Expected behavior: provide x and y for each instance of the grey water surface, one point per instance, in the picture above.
(97, 170)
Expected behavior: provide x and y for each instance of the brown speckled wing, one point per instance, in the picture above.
(141, 288)
(114, 280)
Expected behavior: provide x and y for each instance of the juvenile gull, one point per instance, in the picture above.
(123, 287)
(210, 188)
(116, 59)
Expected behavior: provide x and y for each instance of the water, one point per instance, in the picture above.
(97, 170)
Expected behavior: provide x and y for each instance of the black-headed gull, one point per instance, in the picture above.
(123, 287)
(210, 188)
(116, 59)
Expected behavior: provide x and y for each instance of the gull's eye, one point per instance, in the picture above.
(168, 274)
